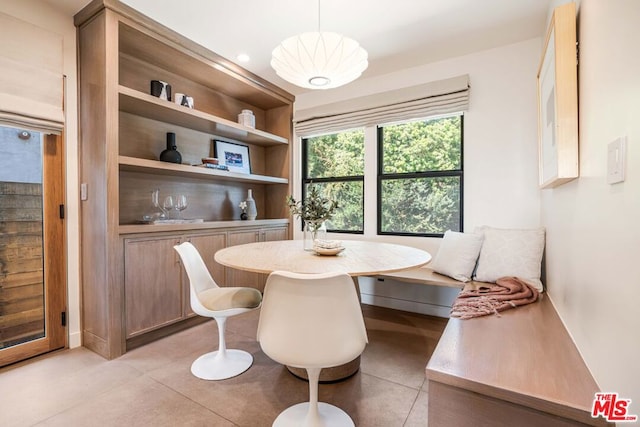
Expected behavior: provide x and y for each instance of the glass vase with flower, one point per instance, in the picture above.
(314, 210)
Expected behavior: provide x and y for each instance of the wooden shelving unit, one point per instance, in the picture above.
(122, 132)
(141, 104)
(134, 164)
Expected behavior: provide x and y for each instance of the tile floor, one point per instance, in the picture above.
(152, 385)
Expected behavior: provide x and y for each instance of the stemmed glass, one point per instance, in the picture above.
(168, 205)
(180, 204)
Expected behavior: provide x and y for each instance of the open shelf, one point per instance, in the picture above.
(134, 164)
(142, 104)
(167, 51)
(207, 225)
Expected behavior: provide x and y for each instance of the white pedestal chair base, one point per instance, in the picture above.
(328, 415)
(212, 367)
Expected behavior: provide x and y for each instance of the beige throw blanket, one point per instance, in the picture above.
(506, 293)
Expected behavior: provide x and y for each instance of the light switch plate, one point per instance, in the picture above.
(616, 154)
(83, 191)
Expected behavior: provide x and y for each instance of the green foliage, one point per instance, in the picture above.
(315, 206)
(350, 196)
(421, 204)
(336, 155)
(412, 202)
(422, 146)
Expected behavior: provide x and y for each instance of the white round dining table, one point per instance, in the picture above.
(359, 258)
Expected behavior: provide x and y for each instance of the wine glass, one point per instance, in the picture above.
(181, 204)
(168, 205)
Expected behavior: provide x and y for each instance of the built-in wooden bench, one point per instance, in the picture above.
(520, 369)
(425, 276)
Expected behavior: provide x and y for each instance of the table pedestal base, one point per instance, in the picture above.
(328, 375)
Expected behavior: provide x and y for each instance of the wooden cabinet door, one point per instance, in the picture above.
(244, 278)
(271, 234)
(207, 245)
(153, 284)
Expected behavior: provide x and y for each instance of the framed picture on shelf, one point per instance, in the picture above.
(235, 156)
(558, 101)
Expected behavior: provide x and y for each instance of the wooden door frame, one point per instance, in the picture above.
(55, 256)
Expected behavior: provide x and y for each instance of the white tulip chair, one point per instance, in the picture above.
(311, 321)
(210, 300)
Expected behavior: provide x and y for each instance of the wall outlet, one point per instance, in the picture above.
(616, 155)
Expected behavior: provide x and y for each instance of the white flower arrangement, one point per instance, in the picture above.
(243, 206)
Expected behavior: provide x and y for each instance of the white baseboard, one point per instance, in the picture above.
(411, 306)
(416, 298)
(75, 340)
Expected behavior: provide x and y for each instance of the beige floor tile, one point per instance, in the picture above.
(253, 398)
(198, 339)
(370, 401)
(142, 402)
(38, 390)
(419, 412)
(400, 345)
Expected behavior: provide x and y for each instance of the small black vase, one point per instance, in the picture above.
(171, 155)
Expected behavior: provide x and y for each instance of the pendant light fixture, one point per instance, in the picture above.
(319, 60)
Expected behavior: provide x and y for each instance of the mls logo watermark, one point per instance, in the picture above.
(612, 408)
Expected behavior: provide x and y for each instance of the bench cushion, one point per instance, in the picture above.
(457, 255)
(511, 252)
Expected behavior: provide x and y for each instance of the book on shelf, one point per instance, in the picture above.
(212, 166)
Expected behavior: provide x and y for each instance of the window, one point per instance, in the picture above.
(420, 177)
(335, 163)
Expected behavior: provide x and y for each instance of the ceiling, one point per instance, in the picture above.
(397, 34)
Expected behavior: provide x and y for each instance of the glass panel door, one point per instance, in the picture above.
(31, 244)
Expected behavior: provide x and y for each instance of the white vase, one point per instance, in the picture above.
(252, 212)
(313, 230)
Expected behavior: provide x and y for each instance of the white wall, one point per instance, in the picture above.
(45, 16)
(593, 235)
(500, 153)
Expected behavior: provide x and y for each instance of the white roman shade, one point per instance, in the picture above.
(430, 99)
(31, 79)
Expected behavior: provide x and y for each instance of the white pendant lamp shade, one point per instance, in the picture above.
(319, 60)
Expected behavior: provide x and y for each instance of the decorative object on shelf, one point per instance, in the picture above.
(180, 204)
(243, 206)
(213, 166)
(252, 211)
(161, 89)
(168, 205)
(171, 155)
(184, 100)
(558, 101)
(246, 118)
(155, 212)
(314, 210)
(177, 221)
(319, 60)
(235, 156)
(210, 161)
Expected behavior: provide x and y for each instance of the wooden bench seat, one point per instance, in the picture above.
(426, 276)
(519, 369)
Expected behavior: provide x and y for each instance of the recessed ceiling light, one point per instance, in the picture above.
(243, 57)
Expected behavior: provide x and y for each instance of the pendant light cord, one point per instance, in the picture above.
(318, 15)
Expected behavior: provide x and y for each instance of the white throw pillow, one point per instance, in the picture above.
(511, 253)
(457, 255)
